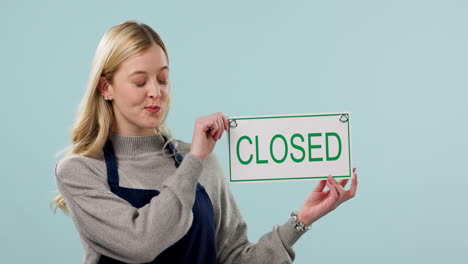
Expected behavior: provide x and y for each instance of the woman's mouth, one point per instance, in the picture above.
(152, 109)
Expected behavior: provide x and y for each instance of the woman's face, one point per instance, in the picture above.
(140, 93)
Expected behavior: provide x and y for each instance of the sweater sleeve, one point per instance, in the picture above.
(233, 245)
(115, 228)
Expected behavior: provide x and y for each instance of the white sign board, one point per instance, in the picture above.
(290, 147)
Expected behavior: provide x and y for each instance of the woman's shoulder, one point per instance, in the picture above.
(72, 164)
(77, 174)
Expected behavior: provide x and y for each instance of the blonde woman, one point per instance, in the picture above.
(138, 196)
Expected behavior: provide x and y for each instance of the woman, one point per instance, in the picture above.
(138, 196)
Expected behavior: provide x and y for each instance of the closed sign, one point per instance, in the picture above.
(289, 147)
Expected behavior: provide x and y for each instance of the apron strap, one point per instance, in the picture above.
(111, 164)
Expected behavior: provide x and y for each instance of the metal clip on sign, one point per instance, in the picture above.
(344, 118)
(232, 123)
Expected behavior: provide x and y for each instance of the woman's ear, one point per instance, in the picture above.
(103, 87)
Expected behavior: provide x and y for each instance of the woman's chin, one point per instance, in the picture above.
(152, 125)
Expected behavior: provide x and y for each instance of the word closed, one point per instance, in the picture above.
(287, 146)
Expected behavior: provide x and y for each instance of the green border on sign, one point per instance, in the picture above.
(300, 178)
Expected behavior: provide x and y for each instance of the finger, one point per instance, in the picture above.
(226, 122)
(206, 125)
(221, 126)
(222, 123)
(333, 193)
(220, 131)
(338, 187)
(214, 127)
(344, 182)
(320, 186)
(219, 134)
(352, 190)
(354, 170)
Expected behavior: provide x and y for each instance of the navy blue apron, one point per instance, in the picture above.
(198, 245)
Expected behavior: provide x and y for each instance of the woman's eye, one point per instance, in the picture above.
(162, 82)
(140, 84)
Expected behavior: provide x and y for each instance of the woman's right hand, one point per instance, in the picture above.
(208, 129)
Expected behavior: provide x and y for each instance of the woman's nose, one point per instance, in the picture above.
(154, 91)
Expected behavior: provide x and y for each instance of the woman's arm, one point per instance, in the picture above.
(275, 246)
(115, 228)
(232, 243)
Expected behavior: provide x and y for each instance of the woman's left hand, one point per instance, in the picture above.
(320, 203)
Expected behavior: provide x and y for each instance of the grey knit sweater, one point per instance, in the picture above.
(109, 225)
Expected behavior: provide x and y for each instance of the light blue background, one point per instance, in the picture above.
(400, 67)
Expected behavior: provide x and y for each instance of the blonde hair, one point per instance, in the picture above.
(95, 116)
